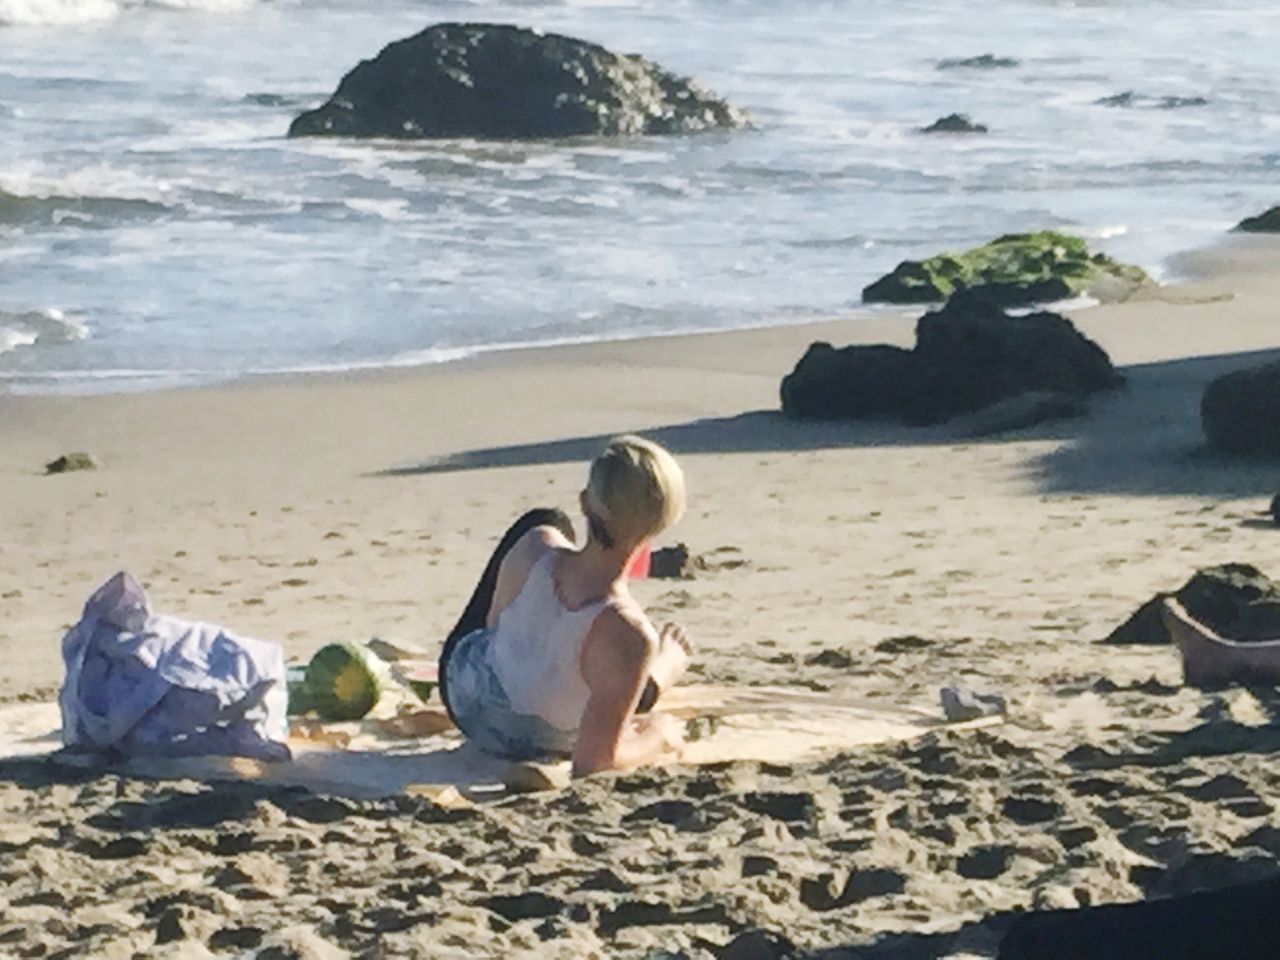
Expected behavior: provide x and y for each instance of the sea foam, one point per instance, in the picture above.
(66, 12)
(37, 327)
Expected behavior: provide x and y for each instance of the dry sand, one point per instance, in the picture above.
(340, 508)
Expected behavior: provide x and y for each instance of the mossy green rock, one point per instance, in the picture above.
(1013, 270)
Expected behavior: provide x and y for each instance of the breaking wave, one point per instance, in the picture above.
(38, 327)
(55, 209)
(65, 12)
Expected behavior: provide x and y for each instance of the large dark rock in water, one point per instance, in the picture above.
(1238, 922)
(954, 123)
(1268, 222)
(496, 81)
(1235, 600)
(985, 61)
(1131, 98)
(1014, 270)
(968, 355)
(1240, 412)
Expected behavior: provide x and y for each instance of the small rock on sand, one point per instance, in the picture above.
(70, 462)
(672, 563)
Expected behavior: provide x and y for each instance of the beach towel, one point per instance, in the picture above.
(422, 753)
(145, 684)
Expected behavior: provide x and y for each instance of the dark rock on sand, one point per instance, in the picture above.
(1240, 411)
(498, 81)
(1275, 509)
(72, 461)
(1131, 99)
(1235, 600)
(681, 563)
(1016, 269)
(1146, 626)
(986, 61)
(974, 353)
(954, 123)
(1238, 921)
(855, 383)
(1268, 222)
(968, 356)
(672, 563)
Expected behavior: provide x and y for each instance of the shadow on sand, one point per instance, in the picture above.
(1143, 440)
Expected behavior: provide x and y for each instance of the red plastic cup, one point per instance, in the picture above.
(639, 568)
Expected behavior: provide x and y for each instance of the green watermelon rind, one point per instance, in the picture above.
(300, 700)
(327, 664)
(422, 689)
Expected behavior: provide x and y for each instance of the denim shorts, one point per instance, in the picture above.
(483, 711)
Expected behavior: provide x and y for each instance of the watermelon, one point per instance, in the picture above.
(299, 695)
(344, 681)
(419, 677)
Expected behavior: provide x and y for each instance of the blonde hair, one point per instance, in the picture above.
(635, 489)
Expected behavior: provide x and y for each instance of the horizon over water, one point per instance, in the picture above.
(158, 229)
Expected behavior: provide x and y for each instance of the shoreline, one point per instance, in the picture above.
(397, 365)
(1190, 267)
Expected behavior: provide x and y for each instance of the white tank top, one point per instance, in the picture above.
(536, 649)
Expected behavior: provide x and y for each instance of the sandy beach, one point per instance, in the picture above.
(871, 560)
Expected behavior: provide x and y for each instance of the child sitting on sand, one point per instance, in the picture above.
(563, 660)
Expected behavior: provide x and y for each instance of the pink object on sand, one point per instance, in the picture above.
(639, 568)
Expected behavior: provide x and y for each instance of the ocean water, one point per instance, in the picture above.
(157, 228)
